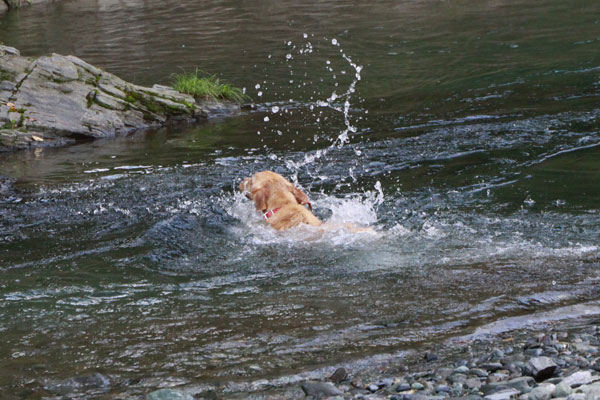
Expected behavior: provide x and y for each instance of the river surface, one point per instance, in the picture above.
(465, 133)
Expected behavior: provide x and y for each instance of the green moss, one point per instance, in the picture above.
(207, 86)
(10, 124)
(5, 76)
(136, 97)
(90, 98)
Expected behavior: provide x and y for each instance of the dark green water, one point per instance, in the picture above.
(473, 149)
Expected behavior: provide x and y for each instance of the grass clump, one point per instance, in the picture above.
(201, 85)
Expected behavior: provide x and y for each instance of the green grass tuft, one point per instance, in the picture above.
(208, 86)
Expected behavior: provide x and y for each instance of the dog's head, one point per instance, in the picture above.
(270, 190)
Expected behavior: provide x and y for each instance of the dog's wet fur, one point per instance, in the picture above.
(284, 202)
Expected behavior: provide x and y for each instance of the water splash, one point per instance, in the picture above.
(332, 102)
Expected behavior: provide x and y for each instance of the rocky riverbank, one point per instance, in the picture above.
(56, 100)
(561, 362)
(557, 363)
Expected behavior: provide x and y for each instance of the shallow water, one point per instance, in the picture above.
(473, 150)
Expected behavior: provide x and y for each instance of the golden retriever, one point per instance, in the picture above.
(281, 203)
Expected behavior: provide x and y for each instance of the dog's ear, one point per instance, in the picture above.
(260, 198)
(301, 197)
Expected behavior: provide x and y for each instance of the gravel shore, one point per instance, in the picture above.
(557, 362)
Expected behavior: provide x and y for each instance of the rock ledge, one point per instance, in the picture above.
(55, 100)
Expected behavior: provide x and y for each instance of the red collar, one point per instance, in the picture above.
(270, 213)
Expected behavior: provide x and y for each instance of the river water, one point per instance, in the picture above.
(470, 143)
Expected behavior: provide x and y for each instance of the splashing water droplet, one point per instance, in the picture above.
(288, 56)
(327, 62)
(266, 119)
(257, 86)
(275, 109)
(259, 93)
(305, 35)
(334, 42)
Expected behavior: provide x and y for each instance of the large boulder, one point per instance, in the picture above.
(54, 99)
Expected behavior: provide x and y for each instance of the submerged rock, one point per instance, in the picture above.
(168, 394)
(52, 100)
(79, 384)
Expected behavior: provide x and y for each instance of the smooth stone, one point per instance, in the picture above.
(402, 387)
(442, 388)
(578, 378)
(521, 384)
(445, 372)
(494, 387)
(415, 397)
(463, 369)
(320, 389)
(542, 368)
(456, 390)
(592, 392)
(576, 396)
(385, 382)
(417, 386)
(533, 352)
(168, 394)
(491, 367)
(339, 375)
(542, 392)
(372, 388)
(585, 348)
(479, 372)
(431, 357)
(502, 395)
(457, 378)
(473, 383)
(497, 354)
(563, 389)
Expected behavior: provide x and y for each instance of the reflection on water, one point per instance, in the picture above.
(473, 150)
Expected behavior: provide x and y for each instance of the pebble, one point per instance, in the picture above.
(403, 387)
(373, 388)
(442, 389)
(502, 395)
(473, 383)
(320, 389)
(489, 373)
(479, 372)
(563, 389)
(339, 375)
(491, 367)
(542, 392)
(168, 394)
(578, 378)
(542, 368)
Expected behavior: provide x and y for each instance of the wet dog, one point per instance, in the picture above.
(281, 203)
